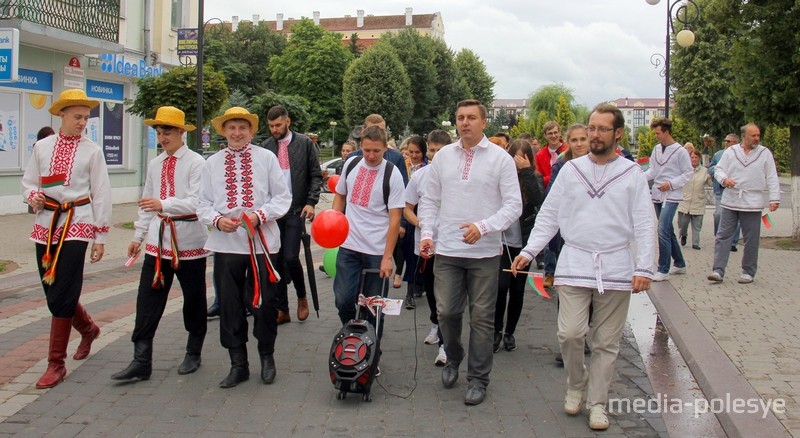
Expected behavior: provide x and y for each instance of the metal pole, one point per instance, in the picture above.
(200, 40)
(666, 67)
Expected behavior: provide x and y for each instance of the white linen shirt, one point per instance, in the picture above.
(177, 184)
(756, 177)
(245, 181)
(674, 166)
(476, 186)
(414, 189)
(82, 161)
(598, 221)
(366, 212)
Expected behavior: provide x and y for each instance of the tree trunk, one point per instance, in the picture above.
(794, 142)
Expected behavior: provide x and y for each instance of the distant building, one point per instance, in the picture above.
(369, 28)
(640, 112)
(513, 107)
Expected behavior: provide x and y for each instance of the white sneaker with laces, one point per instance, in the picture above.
(598, 418)
(573, 401)
(433, 336)
(441, 358)
(660, 276)
(745, 278)
(677, 270)
(715, 277)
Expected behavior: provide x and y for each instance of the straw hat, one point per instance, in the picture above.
(72, 97)
(170, 116)
(235, 112)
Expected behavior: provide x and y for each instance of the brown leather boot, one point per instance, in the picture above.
(302, 308)
(87, 328)
(59, 338)
(283, 317)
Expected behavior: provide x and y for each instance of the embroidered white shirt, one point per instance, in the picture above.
(672, 165)
(756, 177)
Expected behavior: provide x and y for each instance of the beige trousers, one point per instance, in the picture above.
(609, 312)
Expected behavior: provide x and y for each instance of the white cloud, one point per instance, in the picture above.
(600, 49)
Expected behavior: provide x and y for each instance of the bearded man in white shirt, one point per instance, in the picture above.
(600, 204)
(472, 196)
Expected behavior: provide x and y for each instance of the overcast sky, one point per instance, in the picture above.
(599, 48)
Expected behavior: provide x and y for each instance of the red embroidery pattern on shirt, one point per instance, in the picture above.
(362, 188)
(100, 230)
(183, 254)
(168, 178)
(465, 173)
(231, 186)
(262, 216)
(283, 154)
(232, 178)
(64, 155)
(247, 180)
(79, 230)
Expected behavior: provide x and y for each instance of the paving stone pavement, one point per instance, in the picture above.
(525, 396)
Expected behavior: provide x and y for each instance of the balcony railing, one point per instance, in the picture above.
(94, 18)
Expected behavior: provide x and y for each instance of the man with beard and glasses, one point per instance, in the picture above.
(600, 203)
(298, 157)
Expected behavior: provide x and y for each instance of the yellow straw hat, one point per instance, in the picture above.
(170, 116)
(235, 112)
(72, 97)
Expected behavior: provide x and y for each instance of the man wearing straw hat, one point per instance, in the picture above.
(174, 245)
(66, 184)
(242, 194)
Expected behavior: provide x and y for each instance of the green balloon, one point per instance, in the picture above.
(329, 261)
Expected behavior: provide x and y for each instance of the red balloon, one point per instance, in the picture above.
(330, 228)
(332, 181)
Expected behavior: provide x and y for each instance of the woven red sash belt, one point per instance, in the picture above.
(49, 262)
(169, 221)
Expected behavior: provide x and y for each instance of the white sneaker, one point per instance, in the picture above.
(677, 270)
(441, 358)
(598, 418)
(660, 276)
(433, 336)
(745, 278)
(715, 276)
(573, 401)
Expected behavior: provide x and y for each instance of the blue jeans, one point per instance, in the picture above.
(349, 264)
(668, 247)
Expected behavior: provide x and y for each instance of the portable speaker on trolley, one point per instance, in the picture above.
(355, 352)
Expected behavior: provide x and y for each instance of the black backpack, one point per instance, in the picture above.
(387, 176)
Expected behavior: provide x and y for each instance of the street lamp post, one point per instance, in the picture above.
(333, 136)
(684, 38)
(504, 127)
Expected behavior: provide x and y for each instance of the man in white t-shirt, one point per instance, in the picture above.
(374, 221)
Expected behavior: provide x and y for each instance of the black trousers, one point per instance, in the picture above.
(233, 278)
(288, 259)
(150, 303)
(63, 295)
(511, 287)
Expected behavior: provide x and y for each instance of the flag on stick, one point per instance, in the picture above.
(644, 162)
(53, 180)
(537, 283)
(767, 221)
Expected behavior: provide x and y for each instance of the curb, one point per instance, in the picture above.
(717, 376)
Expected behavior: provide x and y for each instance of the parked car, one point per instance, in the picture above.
(329, 168)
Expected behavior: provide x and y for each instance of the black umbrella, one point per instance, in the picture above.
(312, 280)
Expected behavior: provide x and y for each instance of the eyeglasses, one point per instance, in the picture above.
(600, 129)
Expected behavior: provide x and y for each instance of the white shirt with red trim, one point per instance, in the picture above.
(366, 212)
(81, 161)
(246, 180)
(175, 180)
(476, 186)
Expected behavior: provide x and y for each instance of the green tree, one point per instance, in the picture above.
(646, 139)
(474, 80)
(447, 88)
(541, 119)
(777, 139)
(313, 66)
(523, 126)
(242, 56)
(767, 31)
(625, 141)
(178, 87)
(564, 115)
(377, 83)
(582, 113)
(702, 75)
(298, 107)
(354, 46)
(416, 53)
(683, 132)
(546, 98)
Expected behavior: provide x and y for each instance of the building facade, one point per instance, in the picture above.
(512, 107)
(103, 48)
(640, 112)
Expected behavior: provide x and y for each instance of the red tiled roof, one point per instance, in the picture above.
(636, 102)
(371, 22)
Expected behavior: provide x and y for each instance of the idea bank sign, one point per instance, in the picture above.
(118, 64)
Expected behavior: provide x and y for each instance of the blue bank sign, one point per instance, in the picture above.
(113, 63)
(9, 54)
(105, 90)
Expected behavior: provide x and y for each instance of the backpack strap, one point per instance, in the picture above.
(387, 177)
(352, 165)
